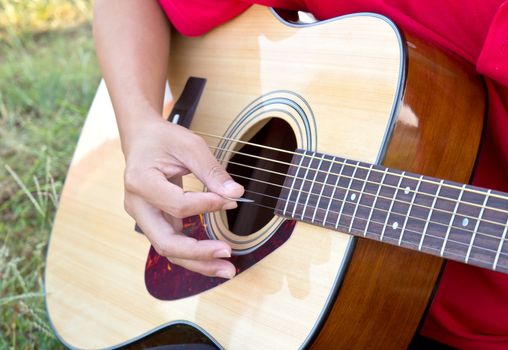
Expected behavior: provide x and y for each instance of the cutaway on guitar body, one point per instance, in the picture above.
(348, 87)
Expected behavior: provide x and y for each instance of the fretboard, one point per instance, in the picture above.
(443, 218)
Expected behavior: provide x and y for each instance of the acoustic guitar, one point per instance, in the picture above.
(337, 129)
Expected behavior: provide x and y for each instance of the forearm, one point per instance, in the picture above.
(132, 43)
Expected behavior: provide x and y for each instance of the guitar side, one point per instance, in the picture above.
(96, 294)
(437, 133)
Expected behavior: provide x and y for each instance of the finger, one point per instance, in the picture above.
(176, 223)
(171, 172)
(214, 268)
(203, 164)
(172, 199)
(183, 247)
(170, 244)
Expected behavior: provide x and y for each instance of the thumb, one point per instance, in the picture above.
(219, 181)
(203, 164)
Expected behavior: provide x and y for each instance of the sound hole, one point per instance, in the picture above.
(262, 186)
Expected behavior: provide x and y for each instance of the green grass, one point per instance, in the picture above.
(48, 76)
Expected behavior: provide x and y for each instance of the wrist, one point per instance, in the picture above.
(134, 125)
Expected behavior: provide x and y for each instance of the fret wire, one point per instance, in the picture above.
(471, 190)
(430, 248)
(429, 235)
(501, 242)
(476, 226)
(430, 214)
(366, 206)
(451, 220)
(498, 251)
(322, 189)
(391, 206)
(346, 194)
(360, 198)
(374, 183)
(375, 201)
(400, 241)
(312, 186)
(459, 256)
(333, 192)
(408, 214)
(301, 188)
(293, 184)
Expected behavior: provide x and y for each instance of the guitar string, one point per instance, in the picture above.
(495, 195)
(478, 233)
(391, 199)
(348, 189)
(371, 182)
(392, 238)
(370, 194)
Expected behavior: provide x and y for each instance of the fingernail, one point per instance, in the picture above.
(231, 186)
(222, 253)
(229, 205)
(224, 274)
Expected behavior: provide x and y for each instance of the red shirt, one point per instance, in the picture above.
(470, 309)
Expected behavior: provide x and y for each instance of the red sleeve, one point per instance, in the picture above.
(194, 18)
(493, 60)
(469, 310)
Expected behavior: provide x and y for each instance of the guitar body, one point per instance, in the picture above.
(348, 87)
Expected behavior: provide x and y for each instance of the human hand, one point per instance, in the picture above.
(157, 155)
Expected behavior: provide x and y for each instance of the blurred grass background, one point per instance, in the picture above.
(48, 77)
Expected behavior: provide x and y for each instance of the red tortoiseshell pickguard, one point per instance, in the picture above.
(167, 281)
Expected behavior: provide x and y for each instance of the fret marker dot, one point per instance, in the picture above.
(465, 222)
(353, 196)
(395, 225)
(406, 190)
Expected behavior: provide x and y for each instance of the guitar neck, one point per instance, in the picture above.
(443, 218)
